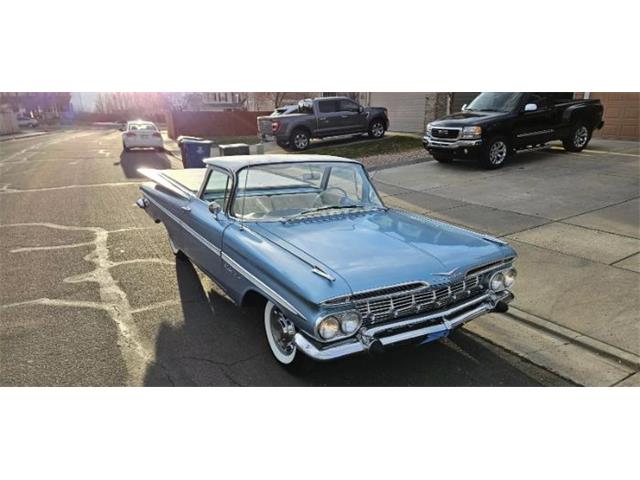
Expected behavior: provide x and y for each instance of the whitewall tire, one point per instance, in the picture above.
(280, 334)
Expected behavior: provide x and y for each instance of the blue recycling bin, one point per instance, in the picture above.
(194, 151)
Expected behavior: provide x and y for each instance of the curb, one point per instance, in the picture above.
(21, 136)
(628, 359)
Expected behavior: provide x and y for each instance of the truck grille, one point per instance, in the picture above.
(380, 306)
(449, 133)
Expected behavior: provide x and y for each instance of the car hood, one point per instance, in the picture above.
(377, 249)
(467, 118)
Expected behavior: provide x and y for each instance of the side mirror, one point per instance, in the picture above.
(360, 109)
(530, 107)
(215, 208)
(464, 107)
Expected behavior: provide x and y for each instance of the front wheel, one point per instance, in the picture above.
(578, 138)
(377, 129)
(280, 333)
(495, 153)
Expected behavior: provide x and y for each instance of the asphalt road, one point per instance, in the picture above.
(90, 293)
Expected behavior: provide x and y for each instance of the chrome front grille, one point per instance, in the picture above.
(445, 133)
(382, 305)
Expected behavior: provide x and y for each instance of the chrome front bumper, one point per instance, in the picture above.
(430, 142)
(428, 327)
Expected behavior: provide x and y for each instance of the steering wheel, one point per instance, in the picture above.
(318, 201)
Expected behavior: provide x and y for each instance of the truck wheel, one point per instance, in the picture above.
(442, 157)
(299, 140)
(376, 129)
(280, 336)
(578, 138)
(495, 153)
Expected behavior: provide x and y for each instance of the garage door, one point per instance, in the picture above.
(621, 115)
(406, 109)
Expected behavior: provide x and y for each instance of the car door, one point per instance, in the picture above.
(352, 117)
(328, 118)
(533, 125)
(206, 229)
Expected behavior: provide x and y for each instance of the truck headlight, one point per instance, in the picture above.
(471, 132)
(429, 128)
(329, 328)
(350, 322)
(510, 277)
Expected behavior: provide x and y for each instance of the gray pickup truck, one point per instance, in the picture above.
(320, 118)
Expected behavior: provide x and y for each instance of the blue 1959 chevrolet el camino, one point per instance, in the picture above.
(338, 272)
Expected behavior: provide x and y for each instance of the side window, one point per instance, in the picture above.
(346, 179)
(327, 106)
(218, 188)
(539, 99)
(348, 106)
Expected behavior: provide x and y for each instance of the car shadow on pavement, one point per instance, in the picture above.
(220, 344)
(132, 160)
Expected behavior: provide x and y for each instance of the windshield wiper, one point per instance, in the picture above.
(319, 209)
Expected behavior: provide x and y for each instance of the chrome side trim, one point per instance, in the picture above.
(530, 134)
(198, 237)
(261, 285)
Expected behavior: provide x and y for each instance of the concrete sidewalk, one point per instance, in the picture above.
(575, 221)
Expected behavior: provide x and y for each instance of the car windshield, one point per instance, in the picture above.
(291, 190)
(495, 102)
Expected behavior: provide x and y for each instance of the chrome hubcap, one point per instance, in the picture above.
(498, 152)
(301, 141)
(581, 136)
(377, 129)
(282, 331)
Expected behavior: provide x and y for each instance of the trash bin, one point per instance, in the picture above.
(233, 149)
(194, 150)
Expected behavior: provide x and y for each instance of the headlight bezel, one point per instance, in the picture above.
(472, 132)
(340, 317)
(501, 277)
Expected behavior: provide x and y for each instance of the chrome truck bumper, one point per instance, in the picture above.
(427, 327)
(430, 142)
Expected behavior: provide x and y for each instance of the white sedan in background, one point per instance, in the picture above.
(141, 134)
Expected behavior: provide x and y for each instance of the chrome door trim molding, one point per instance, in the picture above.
(261, 285)
(198, 237)
(539, 132)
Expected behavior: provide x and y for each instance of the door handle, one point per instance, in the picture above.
(185, 208)
(344, 116)
(323, 118)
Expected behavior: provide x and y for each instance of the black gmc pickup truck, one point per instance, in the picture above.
(495, 125)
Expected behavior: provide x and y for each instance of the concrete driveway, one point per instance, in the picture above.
(575, 221)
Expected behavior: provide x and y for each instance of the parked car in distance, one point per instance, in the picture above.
(321, 118)
(495, 125)
(142, 134)
(335, 272)
(24, 121)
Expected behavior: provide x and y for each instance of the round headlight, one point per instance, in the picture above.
(497, 282)
(329, 328)
(350, 322)
(510, 277)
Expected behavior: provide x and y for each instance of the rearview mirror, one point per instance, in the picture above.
(308, 177)
(530, 107)
(215, 208)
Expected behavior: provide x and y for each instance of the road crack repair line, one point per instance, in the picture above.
(114, 300)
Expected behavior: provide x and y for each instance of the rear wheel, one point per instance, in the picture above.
(300, 140)
(442, 157)
(578, 138)
(377, 129)
(494, 153)
(280, 333)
